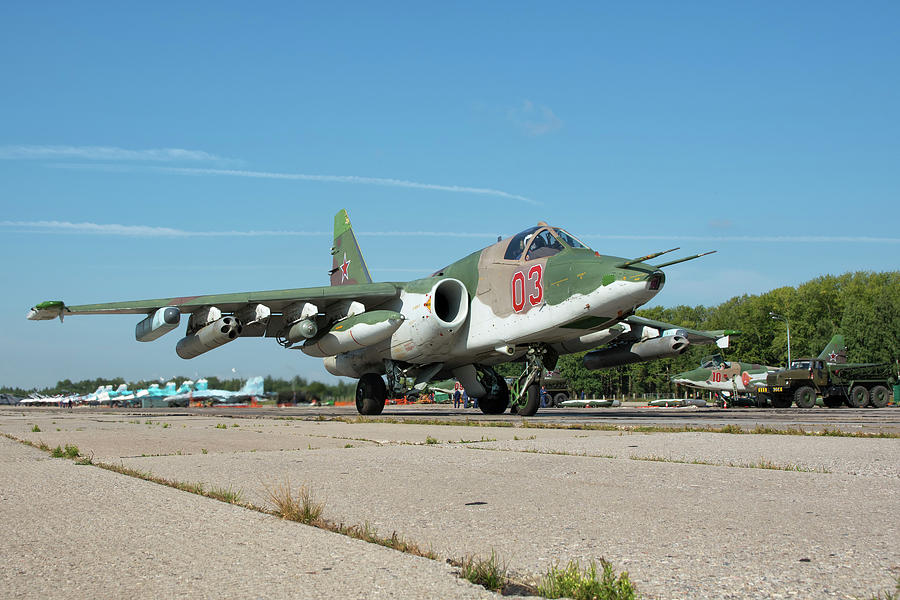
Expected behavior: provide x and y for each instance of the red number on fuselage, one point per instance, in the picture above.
(535, 274)
(536, 289)
(518, 291)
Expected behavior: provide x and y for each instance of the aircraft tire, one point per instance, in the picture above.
(805, 397)
(370, 394)
(859, 396)
(879, 396)
(559, 398)
(495, 405)
(833, 401)
(780, 401)
(532, 402)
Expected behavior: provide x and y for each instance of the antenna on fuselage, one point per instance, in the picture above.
(685, 259)
(628, 263)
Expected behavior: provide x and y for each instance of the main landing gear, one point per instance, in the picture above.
(371, 394)
(526, 390)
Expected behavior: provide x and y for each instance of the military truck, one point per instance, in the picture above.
(556, 386)
(854, 384)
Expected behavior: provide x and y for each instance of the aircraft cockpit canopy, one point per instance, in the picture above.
(539, 242)
(713, 362)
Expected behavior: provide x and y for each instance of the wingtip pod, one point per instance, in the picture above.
(46, 311)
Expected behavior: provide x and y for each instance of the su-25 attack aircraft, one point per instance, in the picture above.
(731, 377)
(530, 297)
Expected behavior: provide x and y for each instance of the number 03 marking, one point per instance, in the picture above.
(535, 293)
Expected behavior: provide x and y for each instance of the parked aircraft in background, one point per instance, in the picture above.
(528, 298)
(253, 387)
(716, 374)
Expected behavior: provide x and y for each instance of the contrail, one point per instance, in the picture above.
(352, 179)
(115, 229)
(774, 239)
(107, 153)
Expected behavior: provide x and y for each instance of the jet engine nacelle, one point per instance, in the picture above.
(661, 347)
(432, 320)
(218, 333)
(158, 324)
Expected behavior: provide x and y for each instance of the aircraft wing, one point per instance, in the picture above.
(694, 336)
(244, 305)
(373, 293)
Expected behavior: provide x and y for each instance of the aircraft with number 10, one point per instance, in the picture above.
(529, 298)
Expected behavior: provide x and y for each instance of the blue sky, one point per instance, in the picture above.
(167, 150)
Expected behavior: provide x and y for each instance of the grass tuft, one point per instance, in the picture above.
(895, 595)
(35, 428)
(298, 507)
(229, 495)
(430, 440)
(586, 584)
(221, 426)
(487, 572)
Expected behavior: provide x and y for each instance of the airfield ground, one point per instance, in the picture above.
(687, 514)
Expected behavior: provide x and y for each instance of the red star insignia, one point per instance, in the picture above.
(344, 266)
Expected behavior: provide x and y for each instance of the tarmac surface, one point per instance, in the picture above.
(688, 515)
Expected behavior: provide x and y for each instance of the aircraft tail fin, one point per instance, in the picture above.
(253, 386)
(347, 264)
(835, 351)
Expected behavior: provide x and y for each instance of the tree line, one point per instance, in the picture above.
(863, 306)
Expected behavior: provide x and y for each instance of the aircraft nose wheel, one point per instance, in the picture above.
(532, 401)
(371, 394)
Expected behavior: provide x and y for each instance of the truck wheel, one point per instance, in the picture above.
(560, 398)
(833, 401)
(859, 396)
(805, 397)
(879, 396)
(762, 401)
(781, 401)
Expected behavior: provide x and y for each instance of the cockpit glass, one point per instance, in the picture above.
(541, 241)
(517, 243)
(569, 239)
(801, 364)
(542, 245)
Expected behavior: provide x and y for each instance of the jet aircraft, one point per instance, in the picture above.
(252, 387)
(716, 374)
(527, 298)
(731, 377)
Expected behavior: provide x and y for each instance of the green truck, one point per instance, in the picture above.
(852, 384)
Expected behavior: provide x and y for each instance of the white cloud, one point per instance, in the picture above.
(108, 153)
(534, 119)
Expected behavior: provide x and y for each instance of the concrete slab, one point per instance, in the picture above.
(537, 496)
(71, 531)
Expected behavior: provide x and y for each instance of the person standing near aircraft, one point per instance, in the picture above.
(456, 397)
